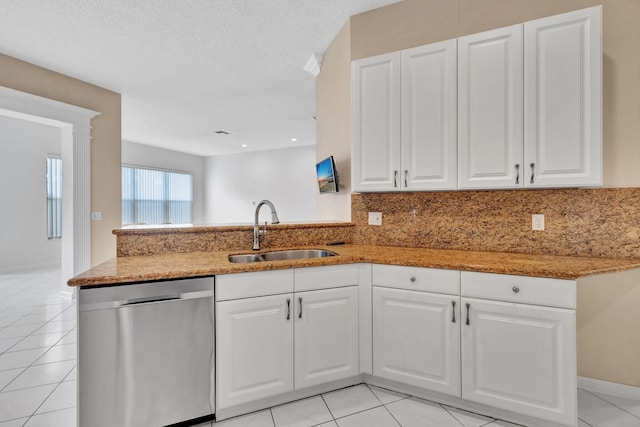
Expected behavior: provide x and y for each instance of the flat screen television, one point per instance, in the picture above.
(327, 176)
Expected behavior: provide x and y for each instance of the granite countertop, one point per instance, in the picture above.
(197, 264)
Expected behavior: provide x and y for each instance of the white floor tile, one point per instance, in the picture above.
(14, 423)
(58, 353)
(20, 359)
(49, 373)
(329, 424)
(63, 397)
(70, 338)
(350, 400)
(600, 413)
(38, 341)
(37, 318)
(7, 376)
(256, 419)
(376, 417)
(18, 331)
(302, 413)
(22, 403)
(468, 419)
(7, 343)
(580, 424)
(56, 326)
(386, 396)
(8, 320)
(64, 418)
(68, 314)
(628, 405)
(502, 424)
(415, 412)
(73, 375)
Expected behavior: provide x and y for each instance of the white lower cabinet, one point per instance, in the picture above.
(274, 344)
(416, 339)
(326, 336)
(254, 348)
(520, 358)
(504, 341)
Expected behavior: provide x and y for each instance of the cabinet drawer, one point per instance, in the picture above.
(523, 289)
(333, 276)
(416, 278)
(246, 285)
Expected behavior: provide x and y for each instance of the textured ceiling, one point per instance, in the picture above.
(187, 68)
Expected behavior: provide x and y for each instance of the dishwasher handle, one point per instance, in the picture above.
(136, 301)
(151, 299)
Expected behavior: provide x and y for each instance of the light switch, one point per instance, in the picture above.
(96, 216)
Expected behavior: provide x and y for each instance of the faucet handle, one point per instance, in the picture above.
(264, 230)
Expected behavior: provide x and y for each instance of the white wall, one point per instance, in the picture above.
(23, 218)
(160, 158)
(286, 177)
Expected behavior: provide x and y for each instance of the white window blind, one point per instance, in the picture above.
(54, 197)
(151, 196)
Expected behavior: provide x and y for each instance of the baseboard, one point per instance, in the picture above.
(607, 387)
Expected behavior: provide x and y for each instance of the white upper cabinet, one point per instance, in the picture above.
(376, 123)
(515, 107)
(429, 117)
(490, 102)
(404, 120)
(563, 100)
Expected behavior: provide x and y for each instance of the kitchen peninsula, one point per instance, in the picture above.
(465, 286)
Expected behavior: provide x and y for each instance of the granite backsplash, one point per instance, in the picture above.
(601, 222)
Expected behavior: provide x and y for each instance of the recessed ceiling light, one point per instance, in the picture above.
(294, 139)
(244, 145)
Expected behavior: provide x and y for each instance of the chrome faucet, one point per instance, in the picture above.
(256, 227)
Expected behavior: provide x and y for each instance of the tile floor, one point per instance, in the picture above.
(38, 378)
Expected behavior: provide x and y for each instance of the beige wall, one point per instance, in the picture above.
(417, 22)
(333, 116)
(105, 140)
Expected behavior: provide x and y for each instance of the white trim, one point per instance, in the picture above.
(607, 387)
(75, 124)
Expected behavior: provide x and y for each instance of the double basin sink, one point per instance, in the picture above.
(281, 255)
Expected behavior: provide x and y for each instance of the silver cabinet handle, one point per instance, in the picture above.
(406, 172)
(453, 312)
(395, 179)
(515, 289)
(300, 302)
(468, 307)
(288, 308)
(517, 173)
(413, 279)
(533, 166)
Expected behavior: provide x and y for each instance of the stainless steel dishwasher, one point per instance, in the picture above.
(146, 354)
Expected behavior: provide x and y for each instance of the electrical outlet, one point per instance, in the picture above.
(537, 222)
(375, 218)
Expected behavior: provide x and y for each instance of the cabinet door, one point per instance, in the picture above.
(416, 339)
(520, 358)
(490, 103)
(563, 100)
(326, 336)
(429, 117)
(254, 348)
(376, 123)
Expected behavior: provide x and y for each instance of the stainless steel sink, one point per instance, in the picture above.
(296, 254)
(281, 255)
(245, 258)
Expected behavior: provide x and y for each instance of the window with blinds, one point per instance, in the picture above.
(151, 196)
(54, 197)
